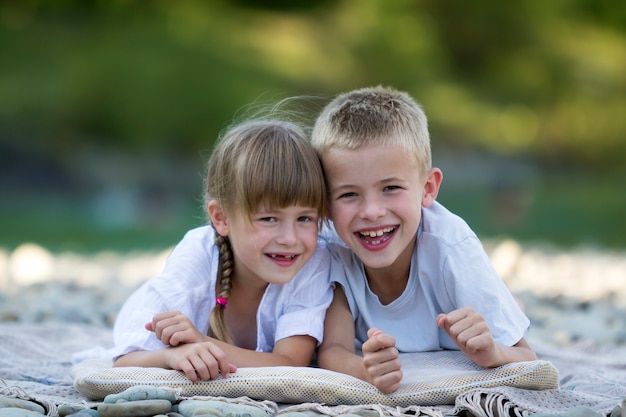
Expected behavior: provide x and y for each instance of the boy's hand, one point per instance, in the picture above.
(470, 332)
(173, 328)
(381, 361)
(199, 361)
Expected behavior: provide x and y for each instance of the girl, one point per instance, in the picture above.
(251, 288)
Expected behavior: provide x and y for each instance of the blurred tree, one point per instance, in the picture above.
(157, 81)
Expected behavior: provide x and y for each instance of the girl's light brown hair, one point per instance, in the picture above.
(260, 163)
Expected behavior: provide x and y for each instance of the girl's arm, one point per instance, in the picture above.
(211, 358)
(199, 361)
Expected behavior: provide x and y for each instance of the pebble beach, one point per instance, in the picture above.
(575, 295)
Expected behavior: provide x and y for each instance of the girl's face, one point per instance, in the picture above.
(272, 245)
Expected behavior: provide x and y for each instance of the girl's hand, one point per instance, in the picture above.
(470, 332)
(381, 361)
(199, 361)
(173, 328)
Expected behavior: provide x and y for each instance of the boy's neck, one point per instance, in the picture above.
(390, 282)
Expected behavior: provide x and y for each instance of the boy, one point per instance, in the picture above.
(411, 268)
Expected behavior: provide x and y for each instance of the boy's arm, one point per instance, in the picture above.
(470, 332)
(337, 351)
(379, 365)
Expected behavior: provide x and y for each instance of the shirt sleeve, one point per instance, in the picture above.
(187, 284)
(470, 280)
(307, 300)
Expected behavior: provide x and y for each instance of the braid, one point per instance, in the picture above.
(217, 326)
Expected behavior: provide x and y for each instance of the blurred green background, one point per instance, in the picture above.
(108, 108)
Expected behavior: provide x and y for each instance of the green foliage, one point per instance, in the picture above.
(546, 79)
(532, 76)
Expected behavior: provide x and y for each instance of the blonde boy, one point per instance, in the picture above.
(411, 275)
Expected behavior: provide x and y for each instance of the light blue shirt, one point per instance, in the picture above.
(449, 270)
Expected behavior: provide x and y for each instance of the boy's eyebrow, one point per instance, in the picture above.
(392, 179)
(382, 181)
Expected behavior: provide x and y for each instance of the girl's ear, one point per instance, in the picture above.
(218, 218)
(431, 186)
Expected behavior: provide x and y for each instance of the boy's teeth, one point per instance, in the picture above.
(377, 233)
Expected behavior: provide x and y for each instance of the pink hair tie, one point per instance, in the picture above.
(221, 301)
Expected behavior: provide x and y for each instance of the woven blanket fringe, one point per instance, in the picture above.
(382, 410)
(270, 407)
(17, 392)
(491, 404)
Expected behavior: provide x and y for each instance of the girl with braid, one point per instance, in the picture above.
(251, 288)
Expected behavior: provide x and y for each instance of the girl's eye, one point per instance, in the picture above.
(306, 219)
(347, 195)
(268, 219)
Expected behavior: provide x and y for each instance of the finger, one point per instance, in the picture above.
(221, 359)
(383, 362)
(378, 342)
(373, 332)
(442, 321)
(389, 382)
(479, 343)
(190, 371)
(210, 365)
(170, 330)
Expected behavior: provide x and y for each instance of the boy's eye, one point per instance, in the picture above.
(391, 188)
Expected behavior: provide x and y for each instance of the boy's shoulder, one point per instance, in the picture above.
(440, 223)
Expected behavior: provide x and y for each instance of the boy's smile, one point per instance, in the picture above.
(376, 197)
(378, 238)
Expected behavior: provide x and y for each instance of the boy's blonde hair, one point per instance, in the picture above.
(260, 163)
(374, 116)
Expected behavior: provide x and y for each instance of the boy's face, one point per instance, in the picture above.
(376, 195)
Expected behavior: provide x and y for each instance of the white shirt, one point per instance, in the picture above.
(187, 284)
(449, 270)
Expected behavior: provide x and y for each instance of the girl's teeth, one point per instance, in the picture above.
(274, 256)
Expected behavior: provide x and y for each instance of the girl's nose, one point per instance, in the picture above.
(287, 235)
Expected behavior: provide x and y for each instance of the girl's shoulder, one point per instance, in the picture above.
(194, 258)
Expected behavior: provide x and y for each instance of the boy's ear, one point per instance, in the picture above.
(431, 186)
(218, 218)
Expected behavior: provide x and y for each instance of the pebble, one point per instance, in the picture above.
(87, 412)
(142, 392)
(139, 408)
(18, 412)
(76, 411)
(10, 402)
(196, 408)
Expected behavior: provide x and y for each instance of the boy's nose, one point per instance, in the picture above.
(371, 209)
